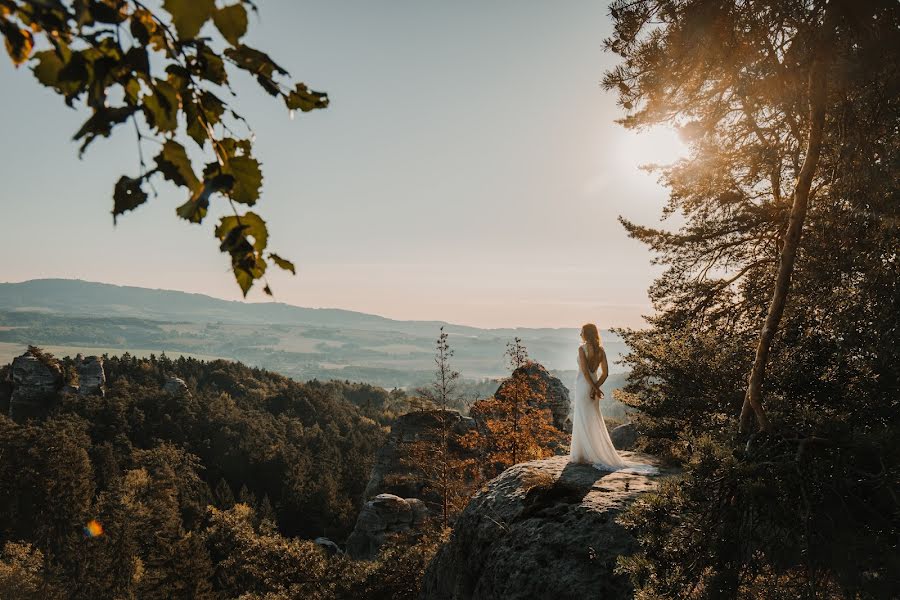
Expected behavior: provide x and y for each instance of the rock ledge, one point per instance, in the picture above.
(542, 529)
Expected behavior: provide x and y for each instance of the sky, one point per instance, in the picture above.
(468, 169)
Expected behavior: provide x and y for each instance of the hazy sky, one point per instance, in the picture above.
(468, 170)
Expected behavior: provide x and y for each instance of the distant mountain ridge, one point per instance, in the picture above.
(78, 297)
(69, 316)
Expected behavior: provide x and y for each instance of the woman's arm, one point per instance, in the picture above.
(604, 368)
(582, 364)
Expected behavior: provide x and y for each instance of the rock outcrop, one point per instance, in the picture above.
(35, 378)
(91, 376)
(544, 387)
(542, 529)
(390, 474)
(624, 437)
(328, 546)
(176, 386)
(384, 516)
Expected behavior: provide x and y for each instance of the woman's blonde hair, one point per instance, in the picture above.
(591, 336)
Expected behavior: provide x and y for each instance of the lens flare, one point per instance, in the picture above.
(93, 529)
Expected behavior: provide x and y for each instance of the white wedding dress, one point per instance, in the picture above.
(590, 439)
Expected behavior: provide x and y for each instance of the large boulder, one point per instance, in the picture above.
(390, 473)
(176, 386)
(624, 437)
(35, 378)
(383, 517)
(542, 529)
(91, 376)
(545, 388)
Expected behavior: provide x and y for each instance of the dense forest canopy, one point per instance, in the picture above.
(210, 492)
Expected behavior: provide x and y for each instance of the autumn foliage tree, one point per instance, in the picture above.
(165, 70)
(517, 425)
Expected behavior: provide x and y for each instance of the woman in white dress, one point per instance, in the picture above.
(590, 439)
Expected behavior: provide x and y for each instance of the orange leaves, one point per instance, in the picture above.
(19, 44)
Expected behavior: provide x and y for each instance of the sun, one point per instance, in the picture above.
(657, 145)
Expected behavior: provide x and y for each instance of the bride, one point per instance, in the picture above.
(590, 439)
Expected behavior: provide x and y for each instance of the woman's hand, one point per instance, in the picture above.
(596, 393)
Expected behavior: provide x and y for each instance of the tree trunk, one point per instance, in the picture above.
(818, 79)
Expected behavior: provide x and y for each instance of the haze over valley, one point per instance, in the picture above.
(71, 316)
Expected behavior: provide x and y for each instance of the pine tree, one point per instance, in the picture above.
(437, 457)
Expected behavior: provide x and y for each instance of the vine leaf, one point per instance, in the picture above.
(161, 107)
(231, 21)
(128, 195)
(254, 61)
(244, 237)
(283, 263)
(173, 162)
(101, 124)
(194, 210)
(189, 16)
(247, 179)
(19, 43)
(305, 99)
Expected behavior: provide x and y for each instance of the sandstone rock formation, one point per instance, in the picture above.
(176, 386)
(328, 546)
(384, 516)
(35, 377)
(624, 437)
(389, 474)
(542, 529)
(91, 376)
(542, 383)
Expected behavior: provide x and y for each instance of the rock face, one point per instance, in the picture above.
(542, 529)
(384, 516)
(176, 386)
(328, 546)
(91, 376)
(542, 383)
(389, 474)
(624, 437)
(34, 380)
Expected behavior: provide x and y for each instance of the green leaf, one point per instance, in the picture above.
(231, 22)
(247, 179)
(194, 210)
(254, 61)
(247, 262)
(48, 67)
(173, 162)
(305, 99)
(283, 263)
(194, 125)
(210, 65)
(101, 124)
(188, 16)
(161, 107)
(249, 224)
(128, 195)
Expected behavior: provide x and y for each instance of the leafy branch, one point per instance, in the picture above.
(156, 68)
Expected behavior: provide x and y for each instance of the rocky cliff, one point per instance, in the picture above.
(542, 529)
(382, 517)
(390, 474)
(545, 388)
(34, 378)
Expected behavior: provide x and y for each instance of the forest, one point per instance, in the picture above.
(215, 493)
(767, 375)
